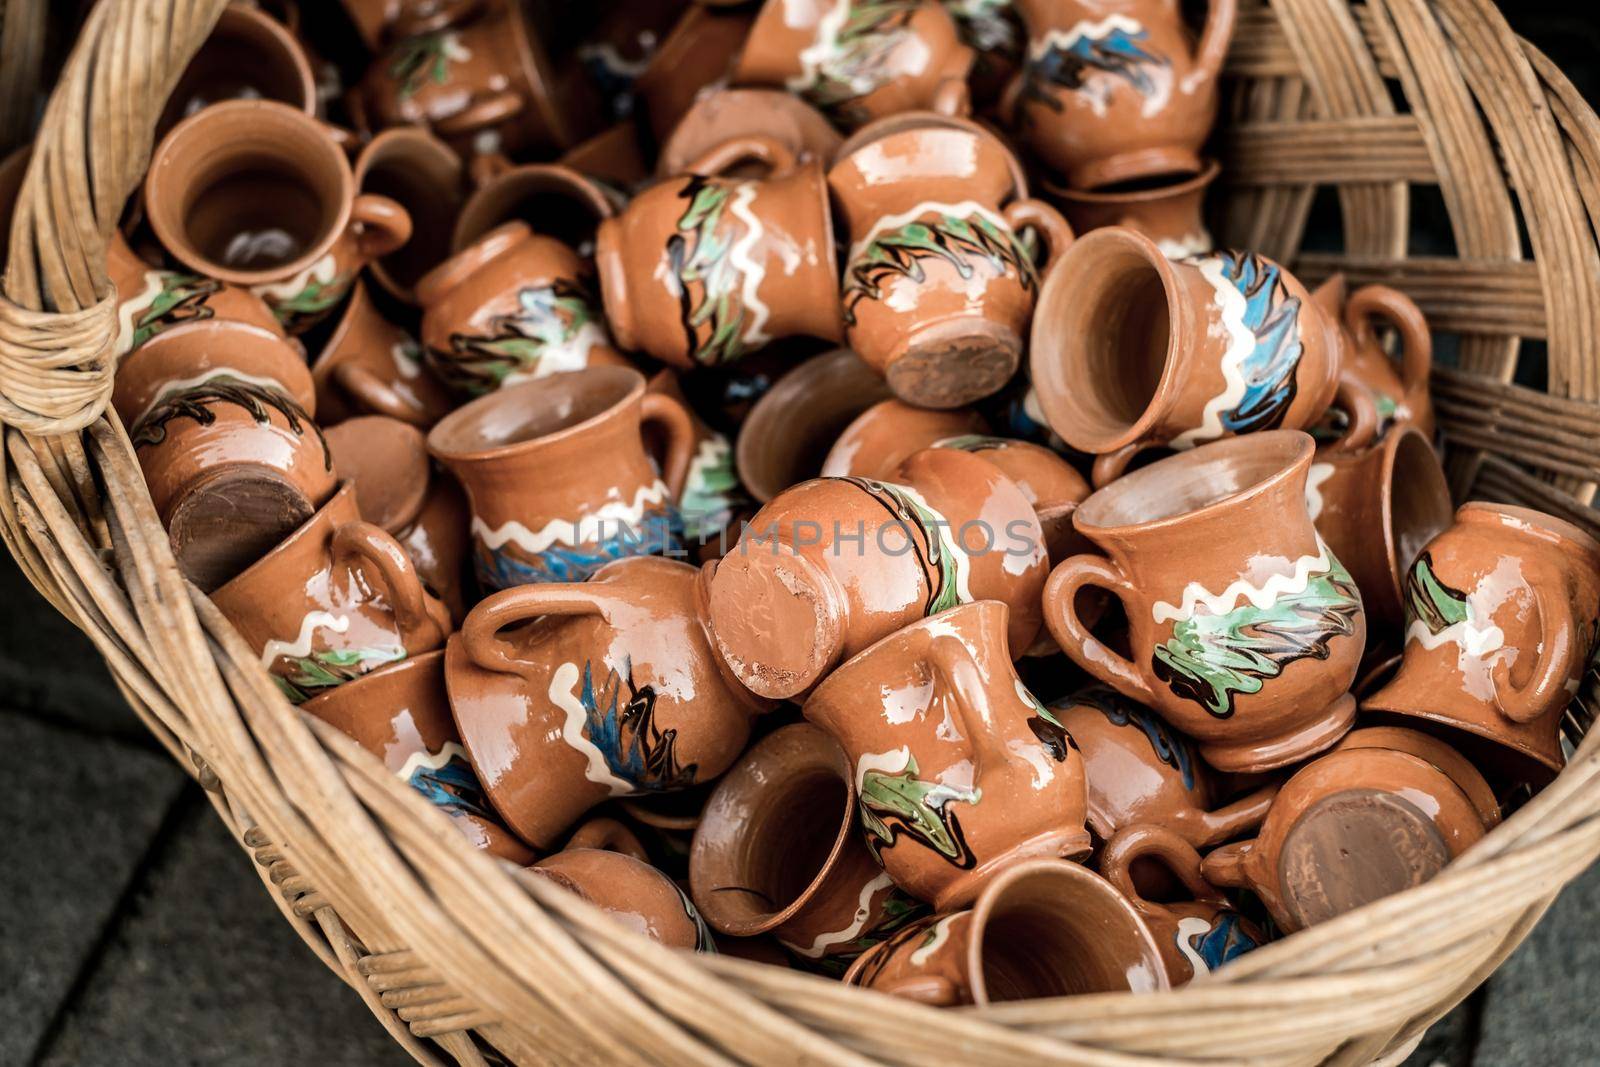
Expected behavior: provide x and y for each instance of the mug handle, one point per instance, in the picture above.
(415, 609)
(1401, 312)
(480, 632)
(385, 225)
(1215, 38)
(1148, 841)
(1556, 653)
(755, 148)
(678, 430)
(1109, 466)
(1225, 866)
(1047, 222)
(1244, 814)
(1061, 616)
(375, 395)
(952, 661)
(1356, 401)
(491, 109)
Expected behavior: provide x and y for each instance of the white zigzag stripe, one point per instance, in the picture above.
(1188, 927)
(822, 48)
(562, 695)
(301, 645)
(1065, 39)
(823, 942)
(1195, 594)
(136, 305)
(1190, 244)
(751, 273)
(322, 271)
(1473, 640)
(613, 515)
(1231, 306)
(941, 934)
(431, 760)
(960, 210)
(182, 384)
(891, 762)
(1319, 473)
(572, 354)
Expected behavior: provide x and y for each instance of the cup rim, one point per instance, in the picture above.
(442, 438)
(1208, 172)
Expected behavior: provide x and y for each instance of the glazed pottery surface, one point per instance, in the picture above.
(1399, 389)
(712, 502)
(439, 542)
(632, 892)
(371, 366)
(1169, 214)
(698, 52)
(420, 173)
(886, 434)
(726, 114)
(959, 770)
(380, 21)
(249, 55)
(1246, 631)
(554, 199)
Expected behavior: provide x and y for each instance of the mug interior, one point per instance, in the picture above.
(1419, 499)
(533, 410)
(1190, 481)
(554, 200)
(247, 57)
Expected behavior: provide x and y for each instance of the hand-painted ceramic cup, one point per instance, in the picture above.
(381, 21)
(558, 478)
(1197, 933)
(1042, 928)
(554, 199)
(1051, 485)
(337, 599)
(959, 770)
(1246, 630)
(1501, 618)
(513, 307)
(1142, 771)
(253, 193)
(778, 850)
(632, 892)
(1116, 91)
(1169, 213)
(856, 60)
(835, 564)
(712, 503)
(699, 270)
(399, 713)
(615, 691)
(370, 366)
(1400, 392)
(889, 432)
(1376, 508)
(249, 55)
(1405, 809)
(420, 173)
(1130, 349)
(697, 52)
(727, 114)
(939, 283)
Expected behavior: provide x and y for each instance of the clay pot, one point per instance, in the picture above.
(724, 115)
(1142, 771)
(1198, 932)
(1132, 350)
(420, 173)
(855, 62)
(959, 769)
(249, 55)
(253, 193)
(1399, 392)
(699, 50)
(1051, 485)
(1209, 551)
(1403, 814)
(1501, 617)
(543, 195)
(835, 564)
(381, 21)
(1168, 213)
(337, 599)
(939, 285)
(777, 850)
(886, 434)
(1376, 508)
(1042, 928)
(512, 308)
(1116, 91)
(612, 159)
(615, 691)
(399, 713)
(371, 366)
(632, 892)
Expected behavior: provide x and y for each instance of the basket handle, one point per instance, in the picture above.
(1401, 312)
(1558, 649)
(1215, 38)
(424, 621)
(1061, 616)
(480, 633)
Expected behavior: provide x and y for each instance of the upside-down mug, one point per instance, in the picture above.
(1400, 393)
(632, 892)
(370, 366)
(726, 114)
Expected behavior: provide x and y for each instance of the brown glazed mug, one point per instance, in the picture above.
(1198, 932)
(1116, 91)
(420, 173)
(249, 55)
(337, 599)
(1169, 214)
(380, 21)
(1052, 486)
(558, 478)
(399, 713)
(1042, 928)
(253, 193)
(1246, 631)
(833, 565)
(632, 892)
(613, 159)
(889, 432)
(543, 195)
(513, 307)
(697, 52)
(612, 691)
(1142, 771)
(856, 60)
(1376, 508)
(726, 114)
(1131, 350)
(778, 850)
(370, 366)
(1406, 811)
(1501, 618)
(1400, 392)
(959, 770)
(712, 502)
(939, 283)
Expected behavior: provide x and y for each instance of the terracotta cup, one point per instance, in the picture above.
(1051, 485)
(558, 478)
(554, 199)
(613, 159)
(1245, 629)
(712, 502)
(1042, 928)
(253, 193)
(380, 21)
(1501, 618)
(1196, 933)
(856, 60)
(420, 173)
(939, 281)
(698, 51)
(835, 564)
(1132, 350)
(727, 114)
(777, 850)
(890, 431)
(1404, 814)
(249, 55)
(1168, 213)
(1116, 91)
(370, 366)
(632, 892)
(614, 691)
(1376, 508)
(511, 308)
(399, 713)
(959, 770)
(337, 599)
(1399, 388)
(1142, 771)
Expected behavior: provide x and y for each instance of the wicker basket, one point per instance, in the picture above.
(453, 952)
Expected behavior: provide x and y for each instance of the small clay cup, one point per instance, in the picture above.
(1169, 213)
(1208, 550)
(615, 691)
(249, 55)
(1399, 388)
(337, 599)
(1050, 484)
(1042, 928)
(399, 713)
(1501, 617)
(727, 114)
(543, 195)
(960, 771)
(712, 503)
(381, 21)
(890, 431)
(420, 173)
(632, 892)
(370, 366)
(698, 51)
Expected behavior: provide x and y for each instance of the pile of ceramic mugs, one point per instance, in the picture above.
(709, 447)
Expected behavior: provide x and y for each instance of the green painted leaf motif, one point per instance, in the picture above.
(892, 804)
(1430, 601)
(182, 299)
(858, 62)
(314, 299)
(418, 60)
(549, 317)
(706, 282)
(302, 677)
(944, 558)
(960, 241)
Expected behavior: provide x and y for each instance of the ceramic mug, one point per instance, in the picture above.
(1245, 629)
(1502, 610)
(1115, 91)
(368, 365)
(558, 478)
(543, 195)
(380, 21)
(1399, 392)
(1169, 214)
(1051, 485)
(728, 114)
(253, 193)
(889, 432)
(249, 55)
(420, 173)
(614, 691)
(696, 53)
(632, 892)
(959, 770)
